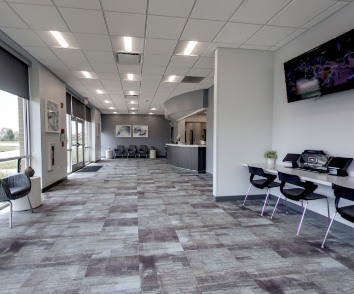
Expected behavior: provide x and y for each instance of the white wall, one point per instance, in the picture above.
(326, 124)
(209, 131)
(243, 105)
(44, 85)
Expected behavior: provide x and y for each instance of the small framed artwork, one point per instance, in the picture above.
(51, 117)
(140, 131)
(123, 131)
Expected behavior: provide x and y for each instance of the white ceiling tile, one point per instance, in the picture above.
(292, 36)
(185, 86)
(125, 24)
(201, 30)
(78, 65)
(153, 70)
(258, 11)
(167, 87)
(93, 42)
(108, 76)
(118, 44)
(133, 85)
(54, 64)
(198, 49)
(205, 62)
(91, 84)
(210, 51)
(199, 72)
(299, 12)
(125, 69)
(180, 8)
(110, 82)
(164, 27)
(24, 37)
(236, 33)
(85, 4)
(70, 54)
(211, 9)
(99, 57)
(269, 36)
(40, 2)
(84, 21)
(41, 17)
(255, 47)
(160, 46)
(104, 67)
(325, 14)
(130, 6)
(183, 61)
(177, 71)
(41, 53)
(156, 59)
(151, 78)
(8, 18)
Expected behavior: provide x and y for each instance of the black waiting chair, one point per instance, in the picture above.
(263, 181)
(132, 151)
(346, 212)
(119, 151)
(299, 191)
(143, 151)
(15, 187)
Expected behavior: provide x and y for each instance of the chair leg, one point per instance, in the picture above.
(249, 189)
(328, 230)
(265, 201)
(10, 217)
(286, 206)
(329, 218)
(276, 205)
(302, 217)
(30, 204)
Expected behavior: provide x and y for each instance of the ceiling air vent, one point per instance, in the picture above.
(131, 97)
(128, 58)
(189, 79)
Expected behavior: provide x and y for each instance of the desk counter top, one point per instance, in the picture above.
(318, 178)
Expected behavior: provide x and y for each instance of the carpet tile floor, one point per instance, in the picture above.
(142, 226)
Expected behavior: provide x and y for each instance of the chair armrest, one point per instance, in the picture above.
(5, 193)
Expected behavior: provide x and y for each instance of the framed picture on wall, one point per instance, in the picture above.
(140, 131)
(51, 117)
(123, 131)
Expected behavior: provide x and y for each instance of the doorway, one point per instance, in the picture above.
(77, 144)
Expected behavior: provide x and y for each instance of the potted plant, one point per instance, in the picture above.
(271, 156)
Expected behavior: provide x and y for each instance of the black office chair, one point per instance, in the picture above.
(346, 212)
(15, 187)
(119, 151)
(304, 191)
(263, 181)
(131, 151)
(143, 150)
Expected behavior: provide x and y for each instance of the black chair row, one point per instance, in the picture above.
(302, 191)
(131, 151)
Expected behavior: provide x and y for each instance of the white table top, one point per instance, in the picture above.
(318, 178)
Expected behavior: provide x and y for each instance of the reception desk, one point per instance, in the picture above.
(191, 157)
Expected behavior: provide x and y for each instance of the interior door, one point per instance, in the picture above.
(78, 145)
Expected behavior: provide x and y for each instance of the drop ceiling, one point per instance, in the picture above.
(94, 30)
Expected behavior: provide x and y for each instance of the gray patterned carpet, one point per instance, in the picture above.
(142, 226)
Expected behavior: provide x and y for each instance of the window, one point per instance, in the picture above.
(14, 140)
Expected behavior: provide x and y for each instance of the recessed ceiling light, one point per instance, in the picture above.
(150, 113)
(190, 47)
(115, 112)
(59, 37)
(86, 74)
(133, 102)
(133, 112)
(128, 44)
(107, 101)
(130, 77)
(153, 109)
(99, 92)
(171, 78)
(111, 108)
(133, 108)
(131, 92)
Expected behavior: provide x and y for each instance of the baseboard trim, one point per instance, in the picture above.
(45, 189)
(238, 197)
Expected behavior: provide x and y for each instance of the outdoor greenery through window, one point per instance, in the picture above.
(13, 132)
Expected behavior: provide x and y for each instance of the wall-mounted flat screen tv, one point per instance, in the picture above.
(329, 68)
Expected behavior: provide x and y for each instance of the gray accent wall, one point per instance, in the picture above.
(210, 131)
(159, 131)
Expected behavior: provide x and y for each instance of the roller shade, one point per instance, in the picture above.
(68, 103)
(78, 108)
(88, 114)
(13, 75)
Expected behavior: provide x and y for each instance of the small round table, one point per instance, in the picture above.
(109, 154)
(34, 196)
